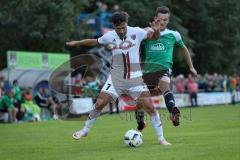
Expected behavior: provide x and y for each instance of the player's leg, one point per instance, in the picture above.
(142, 95)
(164, 86)
(106, 95)
(139, 115)
(145, 101)
(102, 100)
(151, 81)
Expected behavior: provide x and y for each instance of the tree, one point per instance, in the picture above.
(32, 25)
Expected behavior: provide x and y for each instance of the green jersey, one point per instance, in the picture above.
(6, 102)
(158, 54)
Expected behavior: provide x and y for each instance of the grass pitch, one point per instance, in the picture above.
(204, 133)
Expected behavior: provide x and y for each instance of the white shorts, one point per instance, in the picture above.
(116, 88)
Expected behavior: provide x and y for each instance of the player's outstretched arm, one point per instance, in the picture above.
(84, 42)
(188, 60)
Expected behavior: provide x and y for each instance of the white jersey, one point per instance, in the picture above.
(126, 57)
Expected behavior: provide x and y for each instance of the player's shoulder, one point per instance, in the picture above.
(135, 29)
(170, 31)
(175, 33)
(110, 33)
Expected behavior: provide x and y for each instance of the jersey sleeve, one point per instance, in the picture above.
(104, 39)
(179, 41)
(141, 33)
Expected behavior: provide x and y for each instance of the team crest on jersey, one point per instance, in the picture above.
(133, 36)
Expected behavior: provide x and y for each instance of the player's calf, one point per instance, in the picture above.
(139, 114)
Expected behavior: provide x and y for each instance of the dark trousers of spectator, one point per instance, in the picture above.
(193, 99)
(20, 113)
(233, 95)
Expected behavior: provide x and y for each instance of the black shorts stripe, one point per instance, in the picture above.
(125, 66)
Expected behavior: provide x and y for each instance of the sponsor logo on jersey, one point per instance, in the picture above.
(157, 47)
(125, 45)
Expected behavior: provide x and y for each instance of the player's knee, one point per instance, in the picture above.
(163, 86)
(100, 104)
(151, 110)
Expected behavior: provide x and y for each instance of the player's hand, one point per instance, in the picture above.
(194, 72)
(70, 45)
(155, 25)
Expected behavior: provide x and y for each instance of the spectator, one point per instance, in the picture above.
(92, 87)
(1, 86)
(44, 100)
(180, 84)
(233, 82)
(192, 90)
(32, 111)
(78, 83)
(6, 105)
(18, 100)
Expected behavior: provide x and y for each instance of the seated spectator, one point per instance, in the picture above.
(18, 100)
(44, 100)
(31, 110)
(92, 87)
(6, 105)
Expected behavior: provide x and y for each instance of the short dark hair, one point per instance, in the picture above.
(119, 17)
(162, 9)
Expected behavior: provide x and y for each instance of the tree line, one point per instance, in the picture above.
(210, 29)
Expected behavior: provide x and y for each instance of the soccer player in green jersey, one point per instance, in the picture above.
(158, 61)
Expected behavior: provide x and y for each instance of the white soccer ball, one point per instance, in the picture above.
(133, 138)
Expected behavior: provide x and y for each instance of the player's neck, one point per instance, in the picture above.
(122, 37)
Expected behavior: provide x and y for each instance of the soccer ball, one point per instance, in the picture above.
(133, 138)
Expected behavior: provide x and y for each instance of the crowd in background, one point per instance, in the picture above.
(21, 104)
(207, 83)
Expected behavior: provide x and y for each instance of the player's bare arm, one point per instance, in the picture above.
(153, 30)
(84, 42)
(188, 60)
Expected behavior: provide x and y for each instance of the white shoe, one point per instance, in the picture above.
(79, 134)
(164, 143)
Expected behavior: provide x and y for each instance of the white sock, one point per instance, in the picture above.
(88, 125)
(157, 124)
(91, 119)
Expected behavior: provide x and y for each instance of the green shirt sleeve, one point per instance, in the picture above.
(179, 41)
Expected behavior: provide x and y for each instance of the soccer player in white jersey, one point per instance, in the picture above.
(126, 74)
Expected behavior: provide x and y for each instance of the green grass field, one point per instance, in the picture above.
(204, 133)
